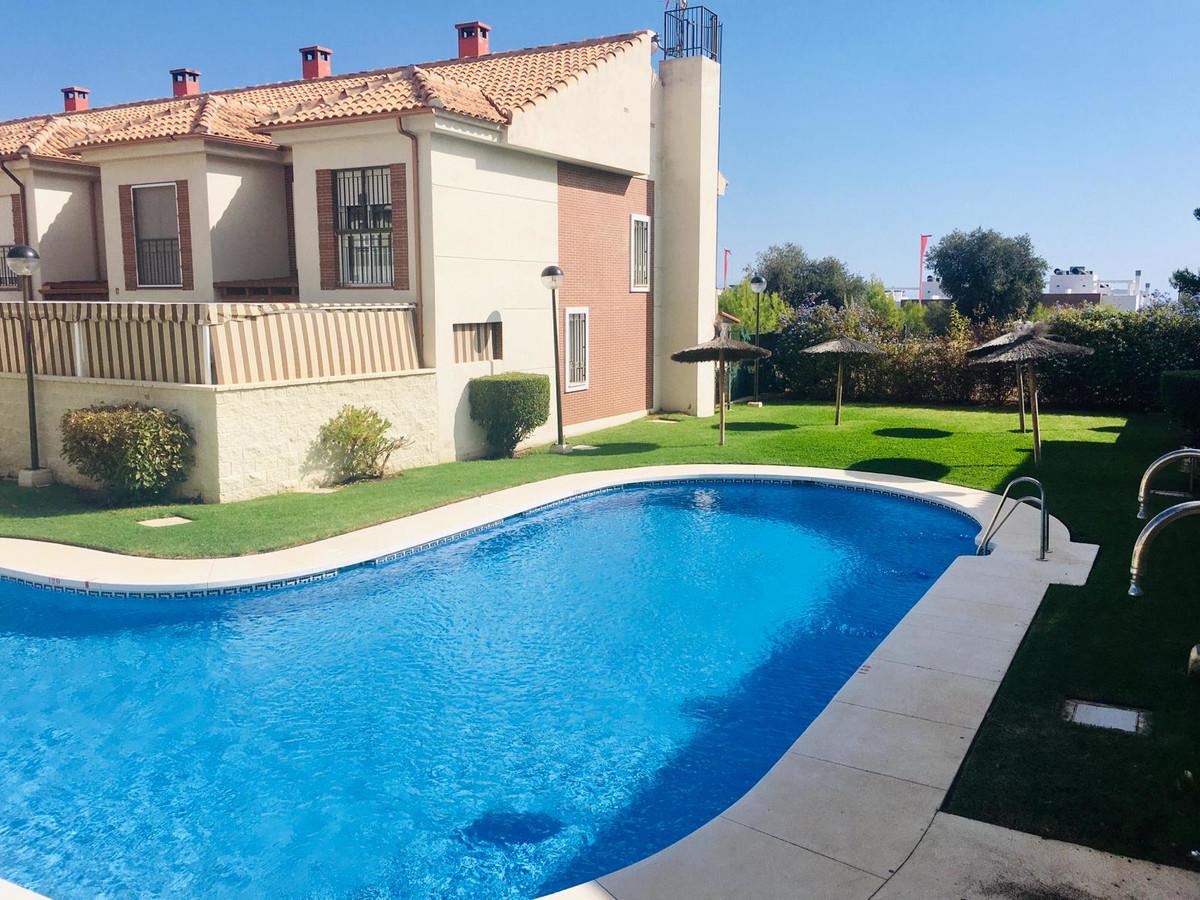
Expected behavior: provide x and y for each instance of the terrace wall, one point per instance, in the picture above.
(251, 440)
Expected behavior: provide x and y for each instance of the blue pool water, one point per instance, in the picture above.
(499, 716)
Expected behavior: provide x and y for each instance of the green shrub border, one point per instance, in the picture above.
(509, 407)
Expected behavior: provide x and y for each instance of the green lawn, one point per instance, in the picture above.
(1028, 769)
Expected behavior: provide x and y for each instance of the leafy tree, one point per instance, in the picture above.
(738, 300)
(800, 279)
(1187, 281)
(988, 275)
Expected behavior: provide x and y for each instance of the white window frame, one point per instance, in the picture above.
(178, 230)
(568, 359)
(634, 287)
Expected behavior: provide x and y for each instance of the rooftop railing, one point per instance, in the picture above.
(691, 31)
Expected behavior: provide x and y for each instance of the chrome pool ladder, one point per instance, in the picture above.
(1190, 455)
(1038, 502)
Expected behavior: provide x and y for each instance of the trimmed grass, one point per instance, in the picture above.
(1028, 769)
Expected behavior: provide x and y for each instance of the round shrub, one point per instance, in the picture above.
(509, 407)
(355, 444)
(1181, 399)
(137, 452)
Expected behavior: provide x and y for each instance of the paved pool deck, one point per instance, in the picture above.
(852, 810)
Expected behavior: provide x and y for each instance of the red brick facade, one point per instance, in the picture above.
(327, 248)
(594, 220)
(183, 210)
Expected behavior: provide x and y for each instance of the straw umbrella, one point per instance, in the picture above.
(842, 347)
(1003, 341)
(1024, 346)
(722, 349)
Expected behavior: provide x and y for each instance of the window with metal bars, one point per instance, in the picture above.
(639, 253)
(577, 349)
(362, 221)
(156, 232)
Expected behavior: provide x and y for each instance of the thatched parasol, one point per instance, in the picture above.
(1003, 341)
(842, 347)
(721, 349)
(1025, 345)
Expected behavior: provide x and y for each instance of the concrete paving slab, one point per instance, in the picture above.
(960, 858)
(886, 743)
(960, 654)
(868, 821)
(960, 700)
(725, 860)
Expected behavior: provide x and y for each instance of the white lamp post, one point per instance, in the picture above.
(24, 262)
(552, 280)
(758, 284)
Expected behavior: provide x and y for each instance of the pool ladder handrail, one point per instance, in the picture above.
(1038, 502)
(1137, 564)
(1144, 492)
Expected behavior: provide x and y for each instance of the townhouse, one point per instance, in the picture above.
(257, 257)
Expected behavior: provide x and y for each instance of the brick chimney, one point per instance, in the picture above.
(185, 82)
(75, 99)
(315, 62)
(472, 39)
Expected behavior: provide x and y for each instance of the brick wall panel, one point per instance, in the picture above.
(184, 210)
(18, 217)
(400, 279)
(594, 210)
(128, 240)
(326, 239)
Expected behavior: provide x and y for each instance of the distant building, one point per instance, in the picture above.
(931, 290)
(1078, 286)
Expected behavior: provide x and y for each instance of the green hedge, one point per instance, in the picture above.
(1181, 398)
(1132, 350)
(509, 407)
(137, 452)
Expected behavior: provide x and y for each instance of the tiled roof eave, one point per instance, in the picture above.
(174, 138)
(348, 120)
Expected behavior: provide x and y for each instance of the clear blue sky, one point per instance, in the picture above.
(850, 126)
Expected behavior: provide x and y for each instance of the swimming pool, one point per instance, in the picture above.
(501, 715)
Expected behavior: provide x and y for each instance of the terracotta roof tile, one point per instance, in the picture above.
(490, 88)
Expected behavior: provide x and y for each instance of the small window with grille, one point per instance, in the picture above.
(362, 204)
(478, 342)
(639, 253)
(577, 349)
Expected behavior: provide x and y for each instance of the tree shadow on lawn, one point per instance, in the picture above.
(755, 426)
(1109, 429)
(617, 449)
(914, 433)
(903, 465)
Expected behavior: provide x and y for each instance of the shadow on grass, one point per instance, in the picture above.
(903, 465)
(618, 449)
(756, 426)
(924, 434)
(1109, 429)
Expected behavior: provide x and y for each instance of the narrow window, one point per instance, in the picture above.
(478, 342)
(577, 349)
(639, 253)
(156, 233)
(362, 221)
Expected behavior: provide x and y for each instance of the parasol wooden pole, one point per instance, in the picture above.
(1033, 408)
(837, 406)
(721, 365)
(1021, 395)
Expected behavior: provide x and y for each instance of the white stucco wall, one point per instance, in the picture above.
(376, 143)
(148, 164)
(247, 217)
(6, 218)
(600, 119)
(494, 228)
(686, 208)
(250, 441)
(62, 225)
